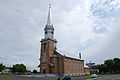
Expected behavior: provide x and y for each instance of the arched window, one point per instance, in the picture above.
(44, 45)
(74, 66)
(44, 57)
(80, 67)
(45, 32)
(69, 66)
(52, 32)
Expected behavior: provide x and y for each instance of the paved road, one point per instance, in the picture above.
(15, 77)
(107, 77)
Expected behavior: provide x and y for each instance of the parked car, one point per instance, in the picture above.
(94, 76)
(64, 78)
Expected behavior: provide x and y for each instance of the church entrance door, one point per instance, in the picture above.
(44, 70)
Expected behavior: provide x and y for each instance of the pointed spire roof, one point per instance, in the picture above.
(49, 16)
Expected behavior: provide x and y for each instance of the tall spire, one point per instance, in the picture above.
(49, 16)
(49, 30)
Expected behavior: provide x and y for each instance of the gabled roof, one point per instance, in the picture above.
(68, 55)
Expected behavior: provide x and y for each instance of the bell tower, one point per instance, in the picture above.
(48, 45)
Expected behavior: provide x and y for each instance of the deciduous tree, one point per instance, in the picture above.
(19, 68)
(1, 67)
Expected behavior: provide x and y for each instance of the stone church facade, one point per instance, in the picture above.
(52, 61)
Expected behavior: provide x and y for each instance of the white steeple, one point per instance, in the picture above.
(49, 30)
(49, 16)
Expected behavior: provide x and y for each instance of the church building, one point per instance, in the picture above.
(54, 62)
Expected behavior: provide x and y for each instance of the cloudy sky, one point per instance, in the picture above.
(87, 26)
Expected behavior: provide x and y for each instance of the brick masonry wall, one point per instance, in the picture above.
(48, 48)
(73, 66)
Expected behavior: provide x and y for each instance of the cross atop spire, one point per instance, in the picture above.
(49, 16)
(49, 5)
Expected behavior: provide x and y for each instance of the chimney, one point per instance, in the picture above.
(80, 55)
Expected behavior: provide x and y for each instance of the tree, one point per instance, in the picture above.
(34, 71)
(116, 65)
(2, 67)
(110, 65)
(102, 68)
(21, 68)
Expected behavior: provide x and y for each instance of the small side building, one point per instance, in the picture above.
(91, 67)
(7, 70)
(87, 70)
